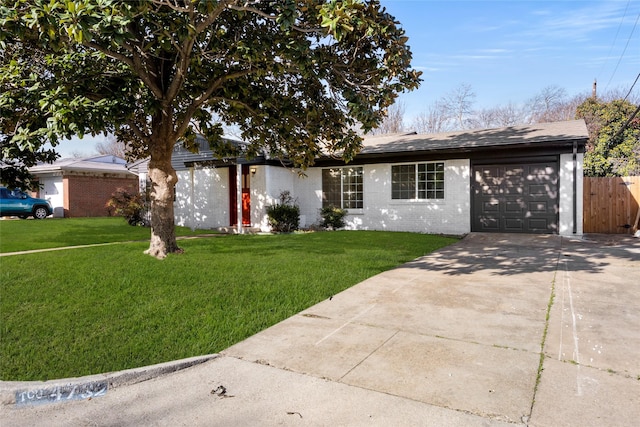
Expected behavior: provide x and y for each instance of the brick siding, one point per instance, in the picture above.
(86, 196)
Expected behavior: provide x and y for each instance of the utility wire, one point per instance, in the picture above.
(623, 52)
(615, 39)
(634, 83)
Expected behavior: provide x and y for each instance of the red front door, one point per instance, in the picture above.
(246, 195)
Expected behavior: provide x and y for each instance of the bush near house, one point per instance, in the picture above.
(284, 217)
(127, 204)
(332, 217)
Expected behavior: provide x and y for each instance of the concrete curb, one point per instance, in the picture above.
(9, 390)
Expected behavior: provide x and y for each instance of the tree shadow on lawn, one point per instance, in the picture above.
(512, 254)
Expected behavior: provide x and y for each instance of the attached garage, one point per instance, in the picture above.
(516, 197)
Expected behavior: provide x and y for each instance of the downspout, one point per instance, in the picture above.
(575, 187)
(239, 195)
(191, 197)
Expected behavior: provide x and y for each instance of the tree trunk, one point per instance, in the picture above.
(163, 180)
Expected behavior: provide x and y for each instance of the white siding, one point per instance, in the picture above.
(202, 198)
(380, 212)
(308, 190)
(275, 181)
(567, 196)
(53, 190)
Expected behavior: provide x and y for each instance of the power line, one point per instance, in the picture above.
(634, 83)
(615, 39)
(623, 52)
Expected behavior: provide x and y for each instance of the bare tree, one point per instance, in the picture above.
(484, 118)
(621, 93)
(454, 111)
(433, 120)
(112, 146)
(546, 106)
(394, 120)
(459, 105)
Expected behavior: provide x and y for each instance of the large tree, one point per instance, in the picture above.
(614, 137)
(298, 77)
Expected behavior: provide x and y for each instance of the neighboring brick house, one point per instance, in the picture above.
(525, 179)
(82, 187)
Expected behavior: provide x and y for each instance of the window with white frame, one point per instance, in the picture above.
(418, 181)
(342, 187)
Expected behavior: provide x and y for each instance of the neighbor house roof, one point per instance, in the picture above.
(96, 164)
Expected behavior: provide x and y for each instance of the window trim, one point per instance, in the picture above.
(416, 183)
(357, 201)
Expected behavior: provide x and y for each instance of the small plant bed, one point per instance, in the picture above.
(118, 308)
(23, 235)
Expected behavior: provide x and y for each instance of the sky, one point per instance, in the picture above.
(507, 50)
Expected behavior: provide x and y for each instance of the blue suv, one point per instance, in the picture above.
(20, 204)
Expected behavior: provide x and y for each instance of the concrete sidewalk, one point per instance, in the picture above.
(497, 329)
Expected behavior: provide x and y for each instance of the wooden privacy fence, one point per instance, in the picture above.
(611, 205)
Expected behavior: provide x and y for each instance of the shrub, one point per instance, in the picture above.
(129, 205)
(332, 217)
(284, 217)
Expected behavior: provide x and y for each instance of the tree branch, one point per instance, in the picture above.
(273, 18)
(184, 51)
(205, 96)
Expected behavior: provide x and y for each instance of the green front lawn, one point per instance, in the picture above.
(99, 309)
(22, 235)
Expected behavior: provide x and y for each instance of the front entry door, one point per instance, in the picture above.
(246, 195)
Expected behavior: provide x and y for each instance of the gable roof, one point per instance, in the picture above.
(541, 139)
(552, 137)
(540, 133)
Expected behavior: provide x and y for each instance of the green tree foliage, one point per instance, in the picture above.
(614, 138)
(295, 76)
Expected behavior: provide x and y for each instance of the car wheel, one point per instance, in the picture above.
(40, 213)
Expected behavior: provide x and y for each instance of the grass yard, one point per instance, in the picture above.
(99, 309)
(22, 235)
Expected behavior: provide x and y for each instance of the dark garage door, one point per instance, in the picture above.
(515, 198)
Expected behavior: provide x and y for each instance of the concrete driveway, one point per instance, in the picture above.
(497, 329)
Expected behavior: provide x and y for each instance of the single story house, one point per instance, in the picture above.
(520, 179)
(80, 187)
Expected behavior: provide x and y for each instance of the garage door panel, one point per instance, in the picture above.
(513, 171)
(514, 224)
(539, 190)
(514, 206)
(512, 190)
(489, 224)
(490, 190)
(538, 224)
(538, 207)
(516, 197)
(490, 207)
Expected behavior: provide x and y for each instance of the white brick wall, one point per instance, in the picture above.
(380, 212)
(202, 198)
(266, 185)
(308, 191)
(566, 194)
